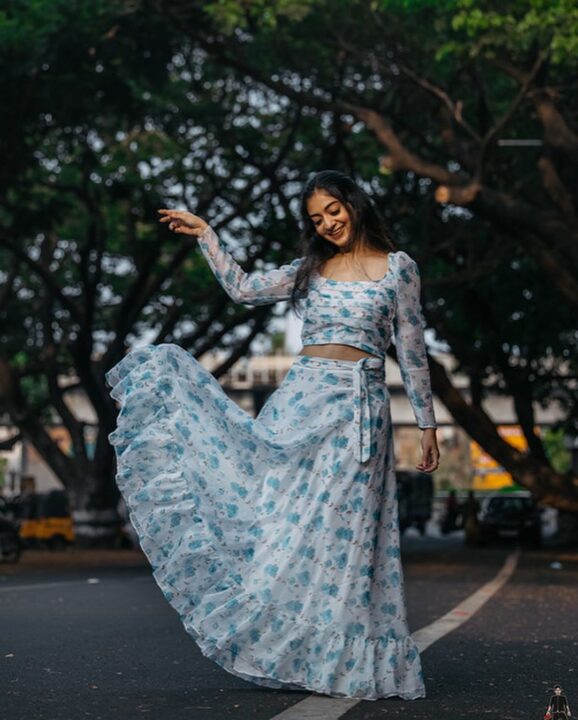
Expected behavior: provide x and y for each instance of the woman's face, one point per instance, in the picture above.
(557, 691)
(330, 217)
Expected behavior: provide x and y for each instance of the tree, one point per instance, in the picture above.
(105, 128)
(224, 108)
(449, 93)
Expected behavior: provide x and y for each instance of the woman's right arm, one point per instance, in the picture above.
(260, 287)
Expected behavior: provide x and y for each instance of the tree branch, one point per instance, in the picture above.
(31, 427)
(493, 133)
(45, 276)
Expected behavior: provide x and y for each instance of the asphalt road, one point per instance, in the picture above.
(102, 642)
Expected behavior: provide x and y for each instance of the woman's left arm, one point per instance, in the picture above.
(409, 326)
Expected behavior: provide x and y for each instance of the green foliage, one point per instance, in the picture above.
(230, 15)
(408, 6)
(492, 28)
(118, 111)
(556, 450)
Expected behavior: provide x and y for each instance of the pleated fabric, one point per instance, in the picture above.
(274, 538)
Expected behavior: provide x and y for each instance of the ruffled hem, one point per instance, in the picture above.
(202, 577)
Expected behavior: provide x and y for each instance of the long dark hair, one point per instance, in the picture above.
(368, 227)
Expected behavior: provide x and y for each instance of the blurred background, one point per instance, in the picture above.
(458, 117)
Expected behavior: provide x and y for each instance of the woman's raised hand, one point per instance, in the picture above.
(182, 221)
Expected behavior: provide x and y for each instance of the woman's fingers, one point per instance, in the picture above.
(430, 460)
(182, 221)
(166, 215)
(171, 218)
(169, 211)
(178, 217)
(183, 214)
(185, 230)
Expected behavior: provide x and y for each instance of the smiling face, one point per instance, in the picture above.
(330, 218)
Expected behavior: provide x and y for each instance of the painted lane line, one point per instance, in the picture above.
(327, 708)
(318, 708)
(88, 581)
(428, 634)
(38, 586)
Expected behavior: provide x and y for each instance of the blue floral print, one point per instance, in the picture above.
(276, 538)
(365, 314)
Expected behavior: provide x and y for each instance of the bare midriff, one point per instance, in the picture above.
(335, 351)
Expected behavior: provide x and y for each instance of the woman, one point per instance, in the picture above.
(275, 538)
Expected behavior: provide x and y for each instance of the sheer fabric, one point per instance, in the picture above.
(364, 314)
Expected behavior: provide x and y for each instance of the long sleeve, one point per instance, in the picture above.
(260, 287)
(409, 326)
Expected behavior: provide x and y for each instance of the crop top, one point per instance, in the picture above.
(363, 314)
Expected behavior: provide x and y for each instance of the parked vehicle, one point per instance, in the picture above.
(415, 497)
(511, 516)
(10, 545)
(44, 519)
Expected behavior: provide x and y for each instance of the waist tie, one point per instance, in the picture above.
(362, 407)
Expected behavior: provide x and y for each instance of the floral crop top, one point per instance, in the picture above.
(364, 314)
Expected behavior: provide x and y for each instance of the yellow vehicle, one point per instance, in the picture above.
(44, 519)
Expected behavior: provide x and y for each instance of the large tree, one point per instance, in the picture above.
(118, 108)
(105, 126)
(468, 109)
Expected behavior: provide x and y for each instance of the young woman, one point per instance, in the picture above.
(276, 538)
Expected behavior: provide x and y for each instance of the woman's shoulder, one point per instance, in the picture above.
(403, 265)
(402, 257)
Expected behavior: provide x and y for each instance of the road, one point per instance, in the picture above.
(102, 642)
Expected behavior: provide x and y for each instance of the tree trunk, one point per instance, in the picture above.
(95, 524)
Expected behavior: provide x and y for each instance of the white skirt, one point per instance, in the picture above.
(274, 538)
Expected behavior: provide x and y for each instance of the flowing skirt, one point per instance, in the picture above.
(274, 538)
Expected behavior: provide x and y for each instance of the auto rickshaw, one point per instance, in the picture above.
(44, 519)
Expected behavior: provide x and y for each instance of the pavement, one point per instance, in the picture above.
(36, 561)
(87, 634)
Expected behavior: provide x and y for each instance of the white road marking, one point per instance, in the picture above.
(320, 708)
(427, 635)
(88, 581)
(38, 586)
